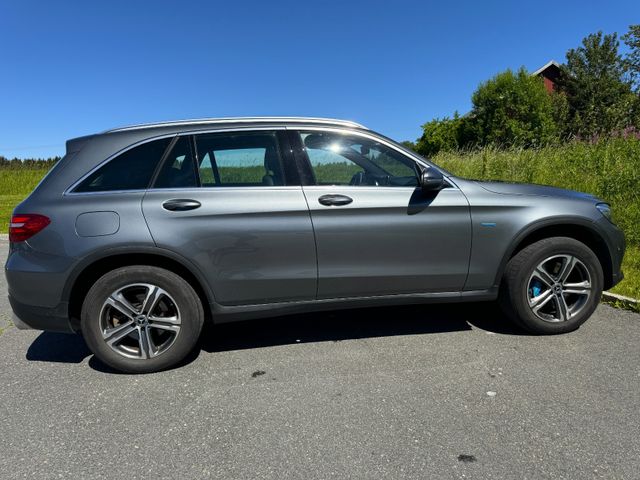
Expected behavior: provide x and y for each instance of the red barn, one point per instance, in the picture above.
(549, 73)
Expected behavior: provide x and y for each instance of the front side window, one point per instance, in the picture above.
(339, 159)
(132, 170)
(239, 159)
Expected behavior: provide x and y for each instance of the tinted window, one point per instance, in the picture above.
(338, 159)
(178, 170)
(239, 159)
(131, 170)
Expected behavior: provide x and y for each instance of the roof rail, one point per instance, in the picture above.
(207, 121)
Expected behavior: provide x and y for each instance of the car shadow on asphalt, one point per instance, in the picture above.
(58, 347)
(333, 326)
(351, 324)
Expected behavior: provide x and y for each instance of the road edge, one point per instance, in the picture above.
(620, 301)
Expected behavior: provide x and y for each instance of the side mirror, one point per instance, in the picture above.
(431, 180)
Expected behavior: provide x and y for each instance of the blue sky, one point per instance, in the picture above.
(73, 68)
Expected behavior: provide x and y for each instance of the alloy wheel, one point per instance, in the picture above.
(140, 321)
(559, 288)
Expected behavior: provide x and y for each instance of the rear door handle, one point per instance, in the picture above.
(335, 200)
(180, 205)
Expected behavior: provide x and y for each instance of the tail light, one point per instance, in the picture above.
(24, 226)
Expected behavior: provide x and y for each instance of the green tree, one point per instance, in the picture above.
(513, 109)
(442, 134)
(409, 144)
(632, 59)
(599, 96)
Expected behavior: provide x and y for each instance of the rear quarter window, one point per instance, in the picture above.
(131, 170)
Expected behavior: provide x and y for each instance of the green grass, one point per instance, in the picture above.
(15, 185)
(630, 286)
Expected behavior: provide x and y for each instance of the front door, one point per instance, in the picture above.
(231, 204)
(376, 232)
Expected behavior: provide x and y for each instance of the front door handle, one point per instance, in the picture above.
(335, 200)
(180, 205)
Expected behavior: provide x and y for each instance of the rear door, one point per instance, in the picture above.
(231, 202)
(377, 232)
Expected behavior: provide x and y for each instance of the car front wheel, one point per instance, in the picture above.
(141, 319)
(552, 286)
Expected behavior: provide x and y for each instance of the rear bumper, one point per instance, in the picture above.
(41, 318)
(35, 281)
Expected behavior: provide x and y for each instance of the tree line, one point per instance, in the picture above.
(597, 95)
(28, 162)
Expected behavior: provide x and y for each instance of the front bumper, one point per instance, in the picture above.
(41, 318)
(614, 238)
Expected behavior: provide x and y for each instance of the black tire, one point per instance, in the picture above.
(514, 289)
(179, 292)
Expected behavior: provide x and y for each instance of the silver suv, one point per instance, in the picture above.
(141, 234)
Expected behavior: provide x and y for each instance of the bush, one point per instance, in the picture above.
(513, 109)
(442, 134)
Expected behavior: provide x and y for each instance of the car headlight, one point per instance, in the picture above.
(605, 209)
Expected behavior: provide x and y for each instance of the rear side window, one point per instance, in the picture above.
(239, 160)
(132, 170)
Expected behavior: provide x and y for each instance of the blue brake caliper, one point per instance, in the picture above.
(535, 288)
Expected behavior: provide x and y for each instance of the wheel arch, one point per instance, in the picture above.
(85, 275)
(581, 230)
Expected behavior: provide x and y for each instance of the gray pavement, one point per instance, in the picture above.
(416, 392)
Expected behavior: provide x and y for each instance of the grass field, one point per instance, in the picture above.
(609, 169)
(15, 185)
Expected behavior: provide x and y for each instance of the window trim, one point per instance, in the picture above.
(287, 160)
(306, 168)
(162, 161)
(376, 137)
(70, 190)
(290, 146)
(165, 159)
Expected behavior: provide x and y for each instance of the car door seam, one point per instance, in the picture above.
(315, 240)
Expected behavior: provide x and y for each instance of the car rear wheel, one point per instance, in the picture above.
(141, 319)
(552, 286)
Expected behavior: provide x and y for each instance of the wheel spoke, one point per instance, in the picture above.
(172, 320)
(115, 334)
(160, 325)
(581, 288)
(536, 303)
(567, 268)
(151, 300)
(144, 342)
(117, 301)
(541, 273)
(563, 309)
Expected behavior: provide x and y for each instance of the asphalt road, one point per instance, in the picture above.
(419, 392)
